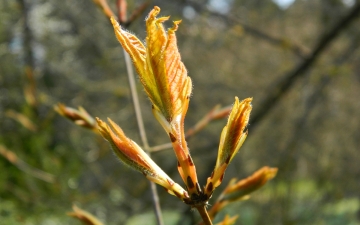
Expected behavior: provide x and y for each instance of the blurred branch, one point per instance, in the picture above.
(135, 99)
(122, 18)
(232, 20)
(290, 150)
(22, 119)
(29, 59)
(84, 216)
(130, 72)
(283, 86)
(30, 87)
(15, 160)
(121, 6)
(29, 56)
(142, 132)
(136, 13)
(122, 11)
(275, 94)
(214, 114)
(161, 147)
(105, 7)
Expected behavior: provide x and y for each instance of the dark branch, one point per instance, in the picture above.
(274, 95)
(232, 20)
(29, 56)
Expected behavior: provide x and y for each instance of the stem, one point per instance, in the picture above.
(141, 127)
(160, 147)
(204, 215)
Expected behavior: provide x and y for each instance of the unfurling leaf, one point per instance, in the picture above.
(232, 138)
(165, 80)
(159, 66)
(132, 155)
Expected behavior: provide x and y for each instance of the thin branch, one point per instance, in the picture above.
(22, 119)
(84, 216)
(310, 103)
(160, 147)
(23, 166)
(137, 12)
(105, 7)
(143, 136)
(135, 99)
(214, 114)
(122, 17)
(30, 87)
(29, 55)
(122, 10)
(274, 95)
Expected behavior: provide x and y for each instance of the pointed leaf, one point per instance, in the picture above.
(132, 155)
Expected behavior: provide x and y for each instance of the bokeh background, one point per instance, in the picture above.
(300, 61)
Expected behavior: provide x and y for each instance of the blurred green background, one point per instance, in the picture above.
(66, 51)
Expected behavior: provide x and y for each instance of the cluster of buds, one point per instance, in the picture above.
(166, 83)
(165, 80)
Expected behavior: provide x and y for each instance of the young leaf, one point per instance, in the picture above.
(232, 138)
(132, 155)
(165, 80)
(159, 65)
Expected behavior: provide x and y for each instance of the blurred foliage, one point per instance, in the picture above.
(65, 51)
